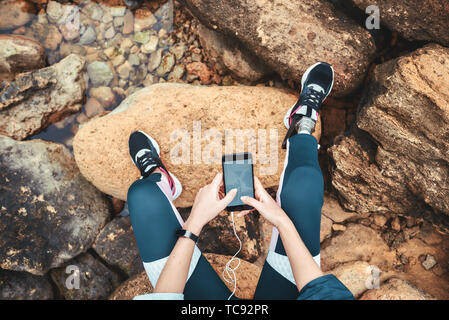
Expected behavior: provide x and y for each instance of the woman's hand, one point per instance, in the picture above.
(208, 205)
(265, 204)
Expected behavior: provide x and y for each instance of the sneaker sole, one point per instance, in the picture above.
(303, 79)
(178, 185)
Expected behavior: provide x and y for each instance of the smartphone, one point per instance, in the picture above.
(238, 174)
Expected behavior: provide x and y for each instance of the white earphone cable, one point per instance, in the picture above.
(228, 272)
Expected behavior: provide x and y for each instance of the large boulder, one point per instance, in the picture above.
(190, 124)
(413, 19)
(289, 36)
(231, 56)
(24, 286)
(49, 213)
(96, 281)
(15, 13)
(402, 164)
(19, 54)
(39, 98)
(117, 246)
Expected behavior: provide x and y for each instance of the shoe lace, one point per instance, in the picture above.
(313, 98)
(145, 159)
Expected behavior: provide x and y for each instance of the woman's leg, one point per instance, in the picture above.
(300, 194)
(155, 219)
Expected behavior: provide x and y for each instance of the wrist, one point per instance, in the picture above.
(284, 223)
(193, 226)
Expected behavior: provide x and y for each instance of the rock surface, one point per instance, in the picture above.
(49, 213)
(290, 36)
(414, 19)
(24, 286)
(402, 164)
(15, 13)
(218, 108)
(96, 281)
(228, 56)
(117, 245)
(36, 99)
(396, 289)
(247, 273)
(19, 54)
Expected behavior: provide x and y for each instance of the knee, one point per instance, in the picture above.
(144, 194)
(304, 186)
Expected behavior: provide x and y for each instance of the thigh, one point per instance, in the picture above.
(155, 221)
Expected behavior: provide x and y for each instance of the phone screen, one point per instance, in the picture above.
(238, 174)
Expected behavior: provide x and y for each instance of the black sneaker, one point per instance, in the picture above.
(144, 151)
(316, 85)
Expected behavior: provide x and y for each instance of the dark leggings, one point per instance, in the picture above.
(155, 220)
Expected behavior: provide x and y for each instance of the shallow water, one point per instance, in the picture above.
(102, 37)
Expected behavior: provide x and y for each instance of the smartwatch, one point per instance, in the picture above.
(187, 234)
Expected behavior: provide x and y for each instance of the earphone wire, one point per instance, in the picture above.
(228, 272)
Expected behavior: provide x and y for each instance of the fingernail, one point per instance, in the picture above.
(243, 197)
(234, 190)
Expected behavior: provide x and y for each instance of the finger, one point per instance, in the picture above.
(260, 190)
(251, 202)
(228, 198)
(217, 179)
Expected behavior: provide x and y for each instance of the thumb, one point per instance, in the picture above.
(251, 202)
(229, 197)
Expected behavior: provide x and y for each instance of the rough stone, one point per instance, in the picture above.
(99, 73)
(93, 107)
(96, 280)
(151, 45)
(402, 164)
(155, 60)
(415, 19)
(355, 276)
(39, 98)
(24, 286)
(396, 289)
(49, 212)
(281, 33)
(15, 13)
(230, 56)
(89, 36)
(135, 286)
(144, 20)
(104, 95)
(117, 246)
(157, 104)
(201, 70)
(19, 54)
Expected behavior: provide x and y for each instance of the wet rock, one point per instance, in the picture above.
(92, 10)
(118, 60)
(133, 60)
(281, 33)
(124, 70)
(142, 37)
(109, 33)
(93, 108)
(89, 36)
(15, 13)
(104, 95)
(143, 20)
(117, 246)
(39, 98)
(96, 281)
(53, 38)
(168, 61)
(414, 20)
(201, 70)
(230, 56)
(155, 60)
(99, 73)
(24, 286)
(189, 103)
(396, 289)
(19, 54)
(69, 22)
(401, 165)
(128, 23)
(177, 73)
(67, 48)
(135, 286)
(116, 11)
(178, 50)
(151, 45)
(49, 212)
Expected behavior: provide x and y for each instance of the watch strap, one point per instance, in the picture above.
(187, 234)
